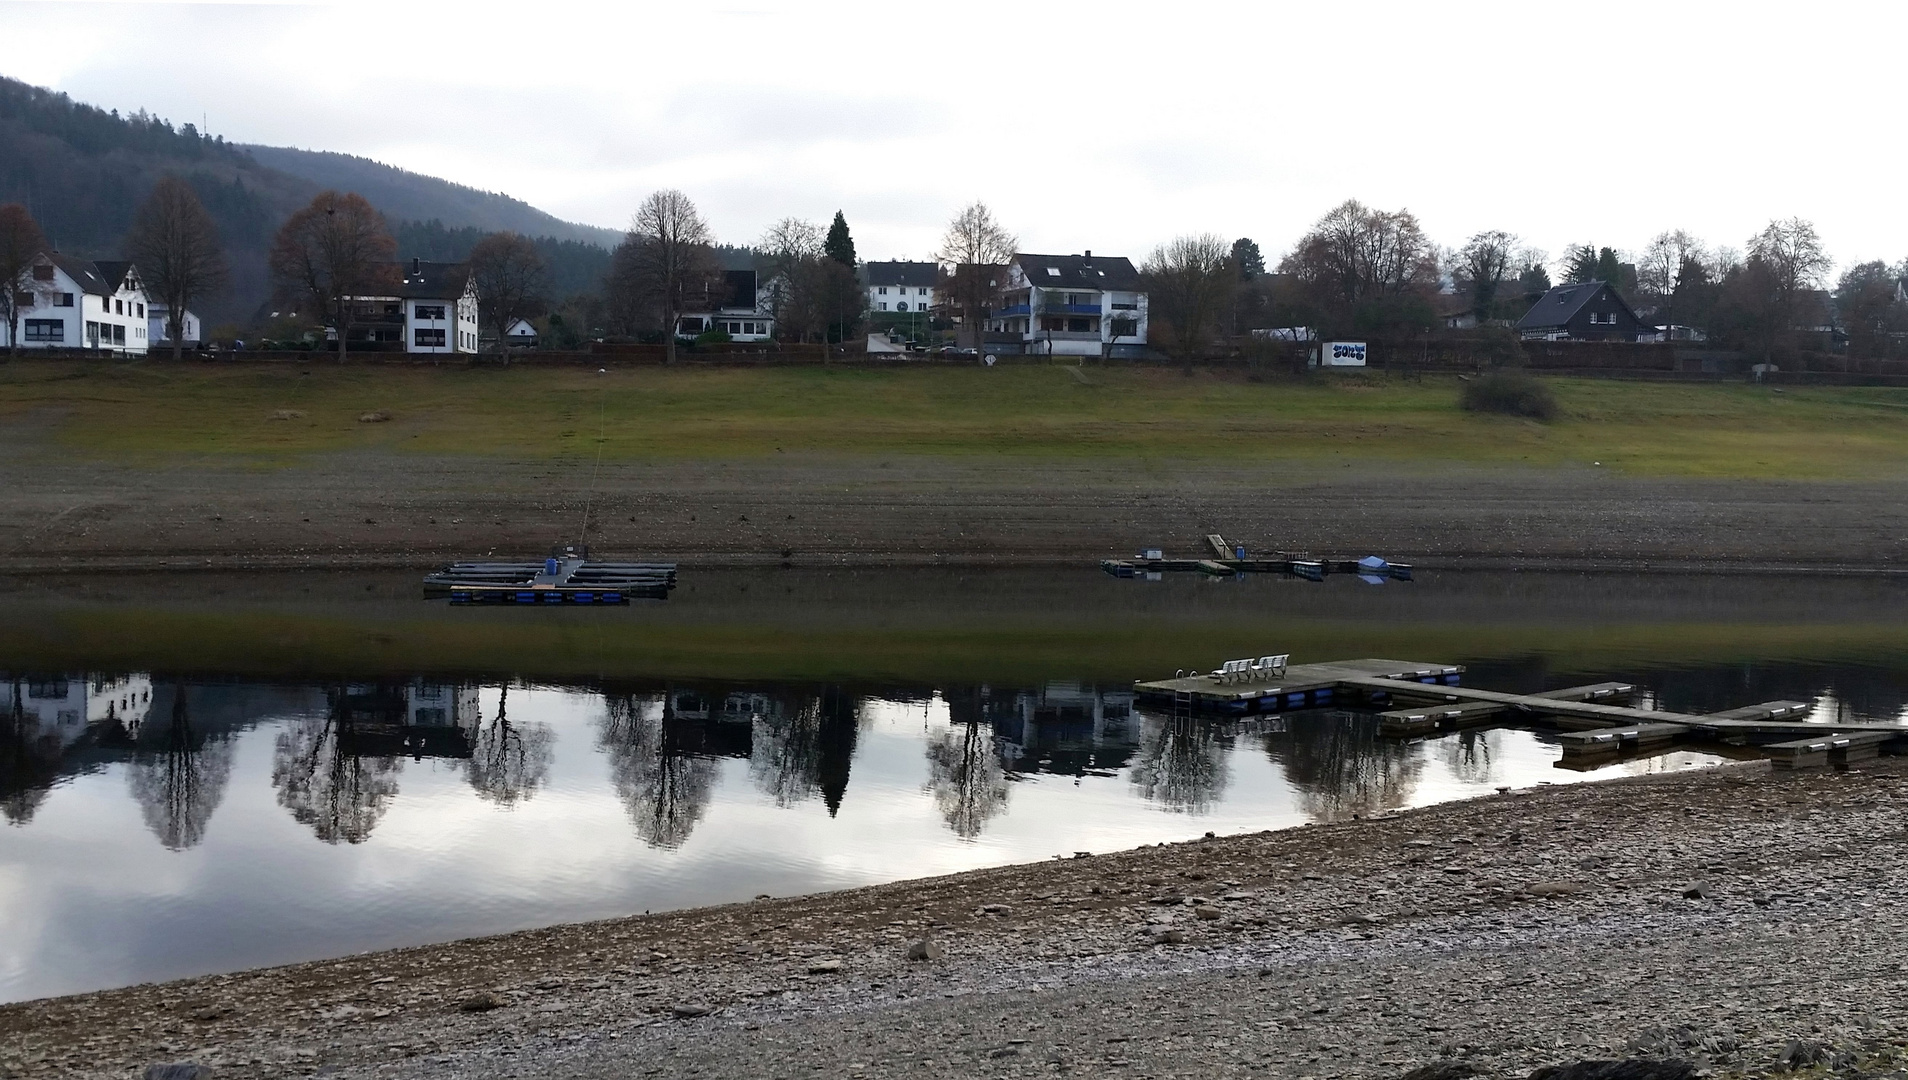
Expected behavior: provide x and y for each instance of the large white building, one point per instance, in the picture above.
(431, 309)
(736, 307)
(72, 303)
(1070, 305)
(901, 286)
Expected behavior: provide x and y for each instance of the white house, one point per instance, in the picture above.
(1071, 305)
(191, 332)
(901, 286)
(59, 708)
(432, 309)
(75, 304)
(737, 308)
(521, 335)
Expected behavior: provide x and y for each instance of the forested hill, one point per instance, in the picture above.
(83, 172)
(411, 196)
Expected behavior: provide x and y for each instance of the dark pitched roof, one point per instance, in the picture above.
(84, 274)
(114, 273)
(1088, 271)
(433, 280)
(905, 274)
(1560, 304)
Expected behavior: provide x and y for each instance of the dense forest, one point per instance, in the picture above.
(83, 172)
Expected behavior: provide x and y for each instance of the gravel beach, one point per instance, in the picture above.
(1742, 919)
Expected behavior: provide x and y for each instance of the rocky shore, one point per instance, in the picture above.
(1739, 920)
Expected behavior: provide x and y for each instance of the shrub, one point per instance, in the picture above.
(1509, 393)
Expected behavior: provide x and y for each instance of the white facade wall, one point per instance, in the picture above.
(1112, 304)
(117, 323)
(441, 326)
(191, 331)
(892, 297)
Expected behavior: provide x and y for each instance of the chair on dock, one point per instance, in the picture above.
(1271, 667)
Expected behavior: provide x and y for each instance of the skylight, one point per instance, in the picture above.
(1053, 271)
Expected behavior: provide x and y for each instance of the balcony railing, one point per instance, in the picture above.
(1070, 309)
(1013, 309)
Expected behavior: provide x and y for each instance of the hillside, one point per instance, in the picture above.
(83, 171)
(409, 196)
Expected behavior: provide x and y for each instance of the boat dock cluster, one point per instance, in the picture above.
(566, 577)
(1594, 724)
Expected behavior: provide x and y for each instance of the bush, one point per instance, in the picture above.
(1509, 393)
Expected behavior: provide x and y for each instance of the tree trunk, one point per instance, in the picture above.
(175, 326)
(670, 319)
(344, 329)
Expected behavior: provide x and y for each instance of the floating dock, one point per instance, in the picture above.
(569, 578)
(1230, 560)
(1590, 722)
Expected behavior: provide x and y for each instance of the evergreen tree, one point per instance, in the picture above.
(1247, 259)
(1609, 270)
(840, 246)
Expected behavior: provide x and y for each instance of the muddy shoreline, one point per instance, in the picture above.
(1724, 917)
(380, 509)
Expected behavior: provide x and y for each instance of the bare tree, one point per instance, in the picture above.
(787, 255)
(510, 277)
(974, 243)
(1795, 259)
(1189, 282)
(1486, 260)
(966, 779)
(332, 251)
(1357, 258)
(175, 244)
(1661, 265)
(509, 760)
(665, 260)
(1181, 765)
(179, 781)
(21, 241)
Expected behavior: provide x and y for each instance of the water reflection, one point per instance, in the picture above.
(658, 764)
(178, 771)
(1341, 766)
(966, 778)
(509, 760)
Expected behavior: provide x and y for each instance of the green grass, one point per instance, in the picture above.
(149, 410)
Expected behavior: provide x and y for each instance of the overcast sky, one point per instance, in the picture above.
(1109, 126)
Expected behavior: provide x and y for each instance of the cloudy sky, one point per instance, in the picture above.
(1106, 125)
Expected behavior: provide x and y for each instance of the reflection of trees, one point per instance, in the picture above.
(966, 779)
(1468, 755)
(509, 760)
(1342, 766)
(665, 789)
(807, 750)
(178, 776)
(25, 775)
(1179, 764)
(325, 783)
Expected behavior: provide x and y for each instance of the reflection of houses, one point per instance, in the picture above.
(1062, 728)
(61, 708)
(417, 719)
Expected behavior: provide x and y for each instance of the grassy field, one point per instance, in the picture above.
(138, 410)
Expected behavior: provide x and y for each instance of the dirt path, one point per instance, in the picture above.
(408, 510)
(1738, 918)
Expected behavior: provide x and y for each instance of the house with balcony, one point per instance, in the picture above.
(425, 307)
(70, 303)
(734, 305)
(1070, 305)
(901, 287)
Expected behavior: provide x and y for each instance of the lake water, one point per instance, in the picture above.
(169, 819)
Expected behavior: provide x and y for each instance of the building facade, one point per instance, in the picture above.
(431, 308)
(901, 287)
(737, 307)
(158, 334)
(71, 303)
(1586, 311)
(1070, 305)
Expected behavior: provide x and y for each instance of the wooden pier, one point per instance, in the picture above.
(569, 577)
(1229, 560)
(1591, 722)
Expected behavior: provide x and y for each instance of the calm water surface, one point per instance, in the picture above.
(165, 824)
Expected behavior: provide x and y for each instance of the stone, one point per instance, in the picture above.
(926, 949)
(824, 967)
(1697, 890)
(690, 1010)
(181, 1070)
(1630, 1069)
(1169, 937)
(996, 909)
(1206, 912)
(483, 1001)
(1442, 1070)
(1556, 888)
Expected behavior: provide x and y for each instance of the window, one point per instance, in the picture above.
(43, 273)
(119, 335)
(23, 300)
(431, 717)
(883, 290)
(142, 311)
(46, 691)
(45, 330)
(1603, 318)
(92, 333)
(1122, 327)
(884, 305)
(920, 292)
(429, 339)
(1053, 271)
(430, 311)
(64, 299)
(119, 307)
